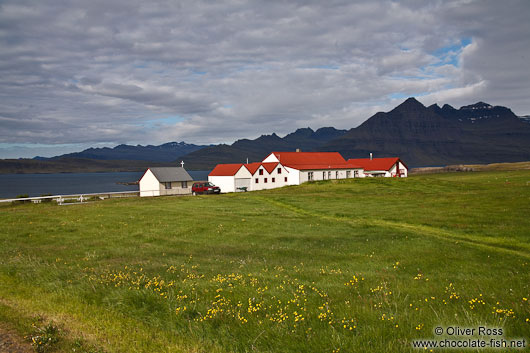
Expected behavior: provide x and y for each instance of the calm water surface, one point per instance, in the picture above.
(12, 185)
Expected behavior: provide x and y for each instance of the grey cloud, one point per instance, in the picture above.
(102, 71)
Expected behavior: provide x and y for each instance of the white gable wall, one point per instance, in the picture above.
(294, 176)
(393, 171)
(279, 178)
(242, 178)
(403, 169)
(149, 185)
(271, 158)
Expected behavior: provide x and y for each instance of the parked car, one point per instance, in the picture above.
(204, 187)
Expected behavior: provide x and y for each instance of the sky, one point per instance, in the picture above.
(76, 74)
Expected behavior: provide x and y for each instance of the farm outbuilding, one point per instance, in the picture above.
(309, 166)
(283, 168)
(165, 181)
(247, 177)
(382, 167)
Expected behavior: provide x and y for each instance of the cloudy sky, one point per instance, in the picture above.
(77, 73)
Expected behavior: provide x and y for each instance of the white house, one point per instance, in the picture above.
(308, 166)
(247, 177)
(283, 168)
(165, 181)
(382, 167)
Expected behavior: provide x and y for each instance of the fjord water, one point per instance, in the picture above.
(12, 185)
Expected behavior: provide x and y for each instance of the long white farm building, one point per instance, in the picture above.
(283, 168)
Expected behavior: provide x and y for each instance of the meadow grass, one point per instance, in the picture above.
(340, 265)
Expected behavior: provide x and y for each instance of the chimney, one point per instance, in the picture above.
(297, 150)
(370, 155)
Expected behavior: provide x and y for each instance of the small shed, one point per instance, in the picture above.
(165, 181)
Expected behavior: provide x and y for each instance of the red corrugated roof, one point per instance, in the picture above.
(376, 163)
(225, 169)
(307, 158)
(269, 167)
(313, 160)
(296, 160)
(232, 169)
(325, 166)
(252, 167)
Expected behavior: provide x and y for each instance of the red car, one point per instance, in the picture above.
(204, 187)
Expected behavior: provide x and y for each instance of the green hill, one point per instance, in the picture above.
(364, 265)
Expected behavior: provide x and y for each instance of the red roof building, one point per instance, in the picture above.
(250, 176)
(387, 167)
(293, 168)
(311, 160)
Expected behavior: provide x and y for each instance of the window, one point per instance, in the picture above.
(356, 174)
(257, 181)
(310, 176)
(285, 179)
(184, 184)
(279, 171)
(348, 174)
(337, 174)
(329, 174)
(167, 184)
(261, 172)
(265, 180)
(324, 175)
(273, 180)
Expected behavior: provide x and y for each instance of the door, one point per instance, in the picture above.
(242, 184)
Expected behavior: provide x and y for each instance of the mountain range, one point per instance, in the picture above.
(419, 135)
(167, 152)
(431, 136)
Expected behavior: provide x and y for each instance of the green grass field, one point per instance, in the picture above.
(364, 265)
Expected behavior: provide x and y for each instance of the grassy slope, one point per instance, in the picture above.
(267, 271)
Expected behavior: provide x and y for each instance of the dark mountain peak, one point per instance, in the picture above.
(172, 144)
(328, 133)
(304, 129)
(411, 104)
(447, 107)
(477, 106)
(302, 132)
(327, 129)
(434, 106)
(273, 136)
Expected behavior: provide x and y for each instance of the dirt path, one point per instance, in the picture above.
(11, 342)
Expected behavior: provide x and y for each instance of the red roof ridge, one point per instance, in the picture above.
(384, 163)
(226, 169)
(269, 166)
(252, 167)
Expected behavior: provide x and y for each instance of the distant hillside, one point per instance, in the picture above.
(255, 150)
(167, 152)
(424, 136)
(74, 165)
